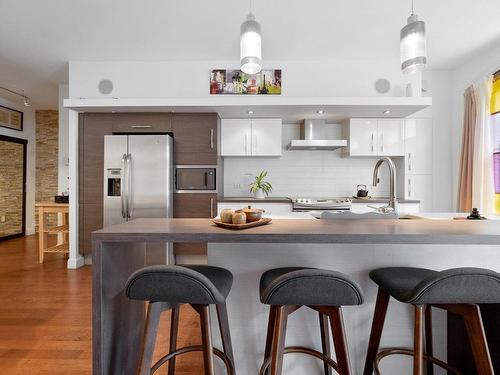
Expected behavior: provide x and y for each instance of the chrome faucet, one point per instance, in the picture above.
(393, 202)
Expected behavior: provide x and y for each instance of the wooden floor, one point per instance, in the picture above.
(45, 316)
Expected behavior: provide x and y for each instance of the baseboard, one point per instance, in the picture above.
(88, 258)
(77, 262)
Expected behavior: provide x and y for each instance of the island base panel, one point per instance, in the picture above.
(248, 317)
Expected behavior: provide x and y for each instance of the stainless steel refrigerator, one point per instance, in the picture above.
(138, 183)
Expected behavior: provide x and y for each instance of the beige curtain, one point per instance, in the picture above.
(464, 203)
(483, 191)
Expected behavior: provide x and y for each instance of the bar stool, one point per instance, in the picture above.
(288, 289)
(168, 287)
(457, 290)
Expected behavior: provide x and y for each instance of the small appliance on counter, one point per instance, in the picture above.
(362, 191)
(475, 215)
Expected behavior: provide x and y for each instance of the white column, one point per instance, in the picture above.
(75, 259)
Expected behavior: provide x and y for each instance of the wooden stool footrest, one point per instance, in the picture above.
(404, 351)
(301, 350)
(189, 349)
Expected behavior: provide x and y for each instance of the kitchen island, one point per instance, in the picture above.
(352, 246)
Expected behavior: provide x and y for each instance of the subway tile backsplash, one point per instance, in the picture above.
(305, 173)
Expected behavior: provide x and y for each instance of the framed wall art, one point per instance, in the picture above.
(11, 118)
(235, 82)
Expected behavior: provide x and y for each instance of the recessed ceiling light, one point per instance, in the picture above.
(250, 112)
(320, 112)
(386, 112)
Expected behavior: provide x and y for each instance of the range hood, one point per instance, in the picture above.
(312, 137)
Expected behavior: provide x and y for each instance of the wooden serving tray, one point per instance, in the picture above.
(260, 222)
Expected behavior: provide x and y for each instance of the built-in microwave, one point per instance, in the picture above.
(195, 179)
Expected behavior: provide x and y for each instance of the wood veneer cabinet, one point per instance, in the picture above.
(193, 206)
(92, 129)
(195, 137)
(142, 123)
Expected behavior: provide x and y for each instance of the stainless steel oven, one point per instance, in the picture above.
(196, 179)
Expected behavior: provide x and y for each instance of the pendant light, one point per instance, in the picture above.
(413, 46)
(250, 45)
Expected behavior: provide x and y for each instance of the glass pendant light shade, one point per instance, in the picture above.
(413, 46)
(250, 46)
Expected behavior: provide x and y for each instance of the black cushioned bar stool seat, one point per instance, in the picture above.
(286, 290)
(168, 287)
(180, 284)
(458, 290)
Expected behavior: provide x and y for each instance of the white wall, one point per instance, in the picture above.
(29, 134)
(139, 79)
(191, 78)
(305, 173)
(480, 65)
(63, 170)
(439, 84)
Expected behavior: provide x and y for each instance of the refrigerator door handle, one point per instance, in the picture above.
(123, 186)
(129, 186)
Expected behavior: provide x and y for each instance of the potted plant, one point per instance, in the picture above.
(261, 188)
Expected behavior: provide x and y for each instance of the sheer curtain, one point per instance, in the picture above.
(483, 192)
(476, 181)
(465, 179)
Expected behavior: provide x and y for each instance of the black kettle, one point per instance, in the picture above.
(362, 192)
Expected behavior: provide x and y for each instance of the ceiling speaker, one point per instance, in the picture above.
(382, 86)
(105, 86)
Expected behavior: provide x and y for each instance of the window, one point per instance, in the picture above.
(495, 132)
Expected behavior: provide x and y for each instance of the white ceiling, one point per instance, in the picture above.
(39, 37)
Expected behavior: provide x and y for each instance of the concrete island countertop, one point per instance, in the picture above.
(308, 231)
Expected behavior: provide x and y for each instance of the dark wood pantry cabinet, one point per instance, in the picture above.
(91, 131)
(195, 137)
(195, 143)
(193, 206)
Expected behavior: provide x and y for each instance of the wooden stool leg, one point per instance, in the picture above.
(206, 338)
(270, 334)
(340, 341)
(428, 339)
(376, 332)
(477, 337)
(149, 337)
(279, 340)
(418, 343)
(174, 329)
(225, 332)
(325, 341)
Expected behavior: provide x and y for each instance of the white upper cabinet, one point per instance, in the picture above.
(375, 137)
(266, 137)
(390, 137)
(246, 137)
(362, 137)
(418, 146)
(236, 137)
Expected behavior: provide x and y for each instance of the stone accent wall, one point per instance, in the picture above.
(47, 148)
(11, 188)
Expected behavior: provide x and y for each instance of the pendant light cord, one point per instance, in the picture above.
(412, 12)
(251, 6)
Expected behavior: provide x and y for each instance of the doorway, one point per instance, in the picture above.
(12, 187)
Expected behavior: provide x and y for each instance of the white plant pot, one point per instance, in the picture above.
(259, 194)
